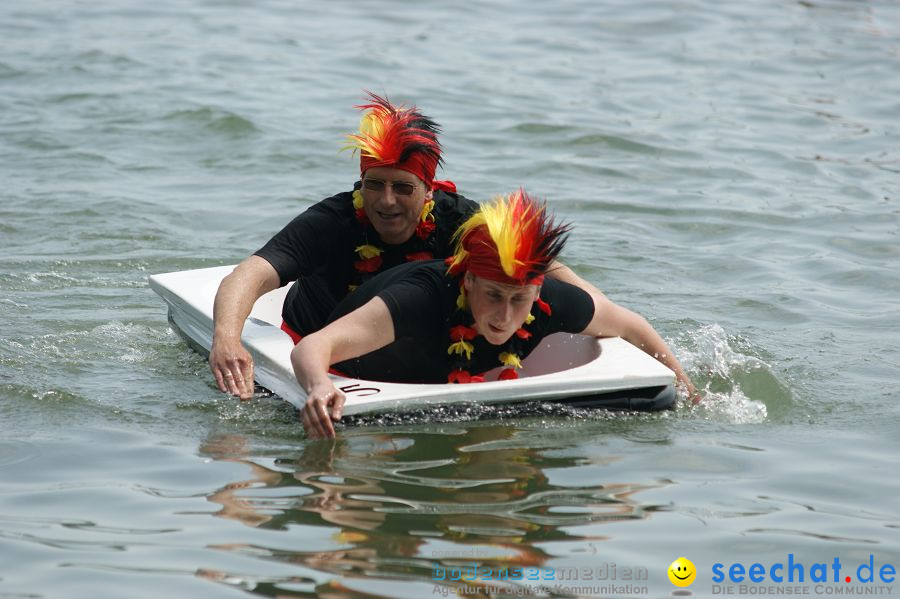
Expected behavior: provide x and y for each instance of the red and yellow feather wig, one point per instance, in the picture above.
(397, 137)
(511, 240)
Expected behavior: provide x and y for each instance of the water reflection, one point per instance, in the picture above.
(400, 507)
(234, 448)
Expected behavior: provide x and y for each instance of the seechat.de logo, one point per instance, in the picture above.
(795, 570)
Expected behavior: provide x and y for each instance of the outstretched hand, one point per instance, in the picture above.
(232, 366)
(324, 404)
(685, 384)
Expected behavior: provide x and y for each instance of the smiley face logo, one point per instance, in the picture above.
(682, 572)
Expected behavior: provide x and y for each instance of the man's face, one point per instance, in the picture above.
(393, 200)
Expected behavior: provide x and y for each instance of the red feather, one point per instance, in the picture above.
(368, 265)
(508, 374)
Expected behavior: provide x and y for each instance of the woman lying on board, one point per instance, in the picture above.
(425, 322)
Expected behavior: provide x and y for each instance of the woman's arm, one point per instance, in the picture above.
(364, 330)
(612, 320)
(559, 271)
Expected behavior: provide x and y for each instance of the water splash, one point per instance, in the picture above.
(734, 407)
(733, 383)
(514, 412)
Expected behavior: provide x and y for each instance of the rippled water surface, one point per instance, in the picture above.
(733, 171)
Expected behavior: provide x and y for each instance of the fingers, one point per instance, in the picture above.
(220, 380)
(320, 411)
(691, 393)
(225, 381)
(325, 426)
(232, 368)
(233, 384)
(248, 381)
(239, 378)
(316, 427)
(236, 380)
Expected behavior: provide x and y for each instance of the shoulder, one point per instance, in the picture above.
(418, 295)
(425, 276)
(554, 291)
(450, 203)
(324, 216)
(572, 308)
(451, 210)
(340, 205)
(415, 286)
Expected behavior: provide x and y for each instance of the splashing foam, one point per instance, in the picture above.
(714, 367)
(504, 412)
(732, 406)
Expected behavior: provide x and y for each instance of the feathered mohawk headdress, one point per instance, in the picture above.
(397, 137)
(511, 240)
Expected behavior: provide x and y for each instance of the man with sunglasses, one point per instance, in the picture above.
(396, 213)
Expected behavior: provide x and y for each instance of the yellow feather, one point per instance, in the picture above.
(461, 255)
(461, 302)
(461, 347)
(371, 128)
(426, 211)
(510, 359)
(367, 251)
(506, 229)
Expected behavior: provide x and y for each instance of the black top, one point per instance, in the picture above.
(421, 298)
(318, 249)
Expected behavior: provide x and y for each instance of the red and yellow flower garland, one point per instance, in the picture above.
(461, 336)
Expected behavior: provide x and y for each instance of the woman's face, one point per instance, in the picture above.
(499, 310)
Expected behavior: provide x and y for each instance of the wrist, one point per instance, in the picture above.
(319, 384)
(225, 335)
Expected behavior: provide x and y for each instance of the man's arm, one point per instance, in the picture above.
(229, 361)
(612, 320)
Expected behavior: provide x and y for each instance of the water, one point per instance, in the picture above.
(733, 173)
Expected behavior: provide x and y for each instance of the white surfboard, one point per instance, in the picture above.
(573, 369)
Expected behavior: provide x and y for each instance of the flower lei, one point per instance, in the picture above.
(370, 260)
(461, 336)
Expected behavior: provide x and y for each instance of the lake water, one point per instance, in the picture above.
(733, 169)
